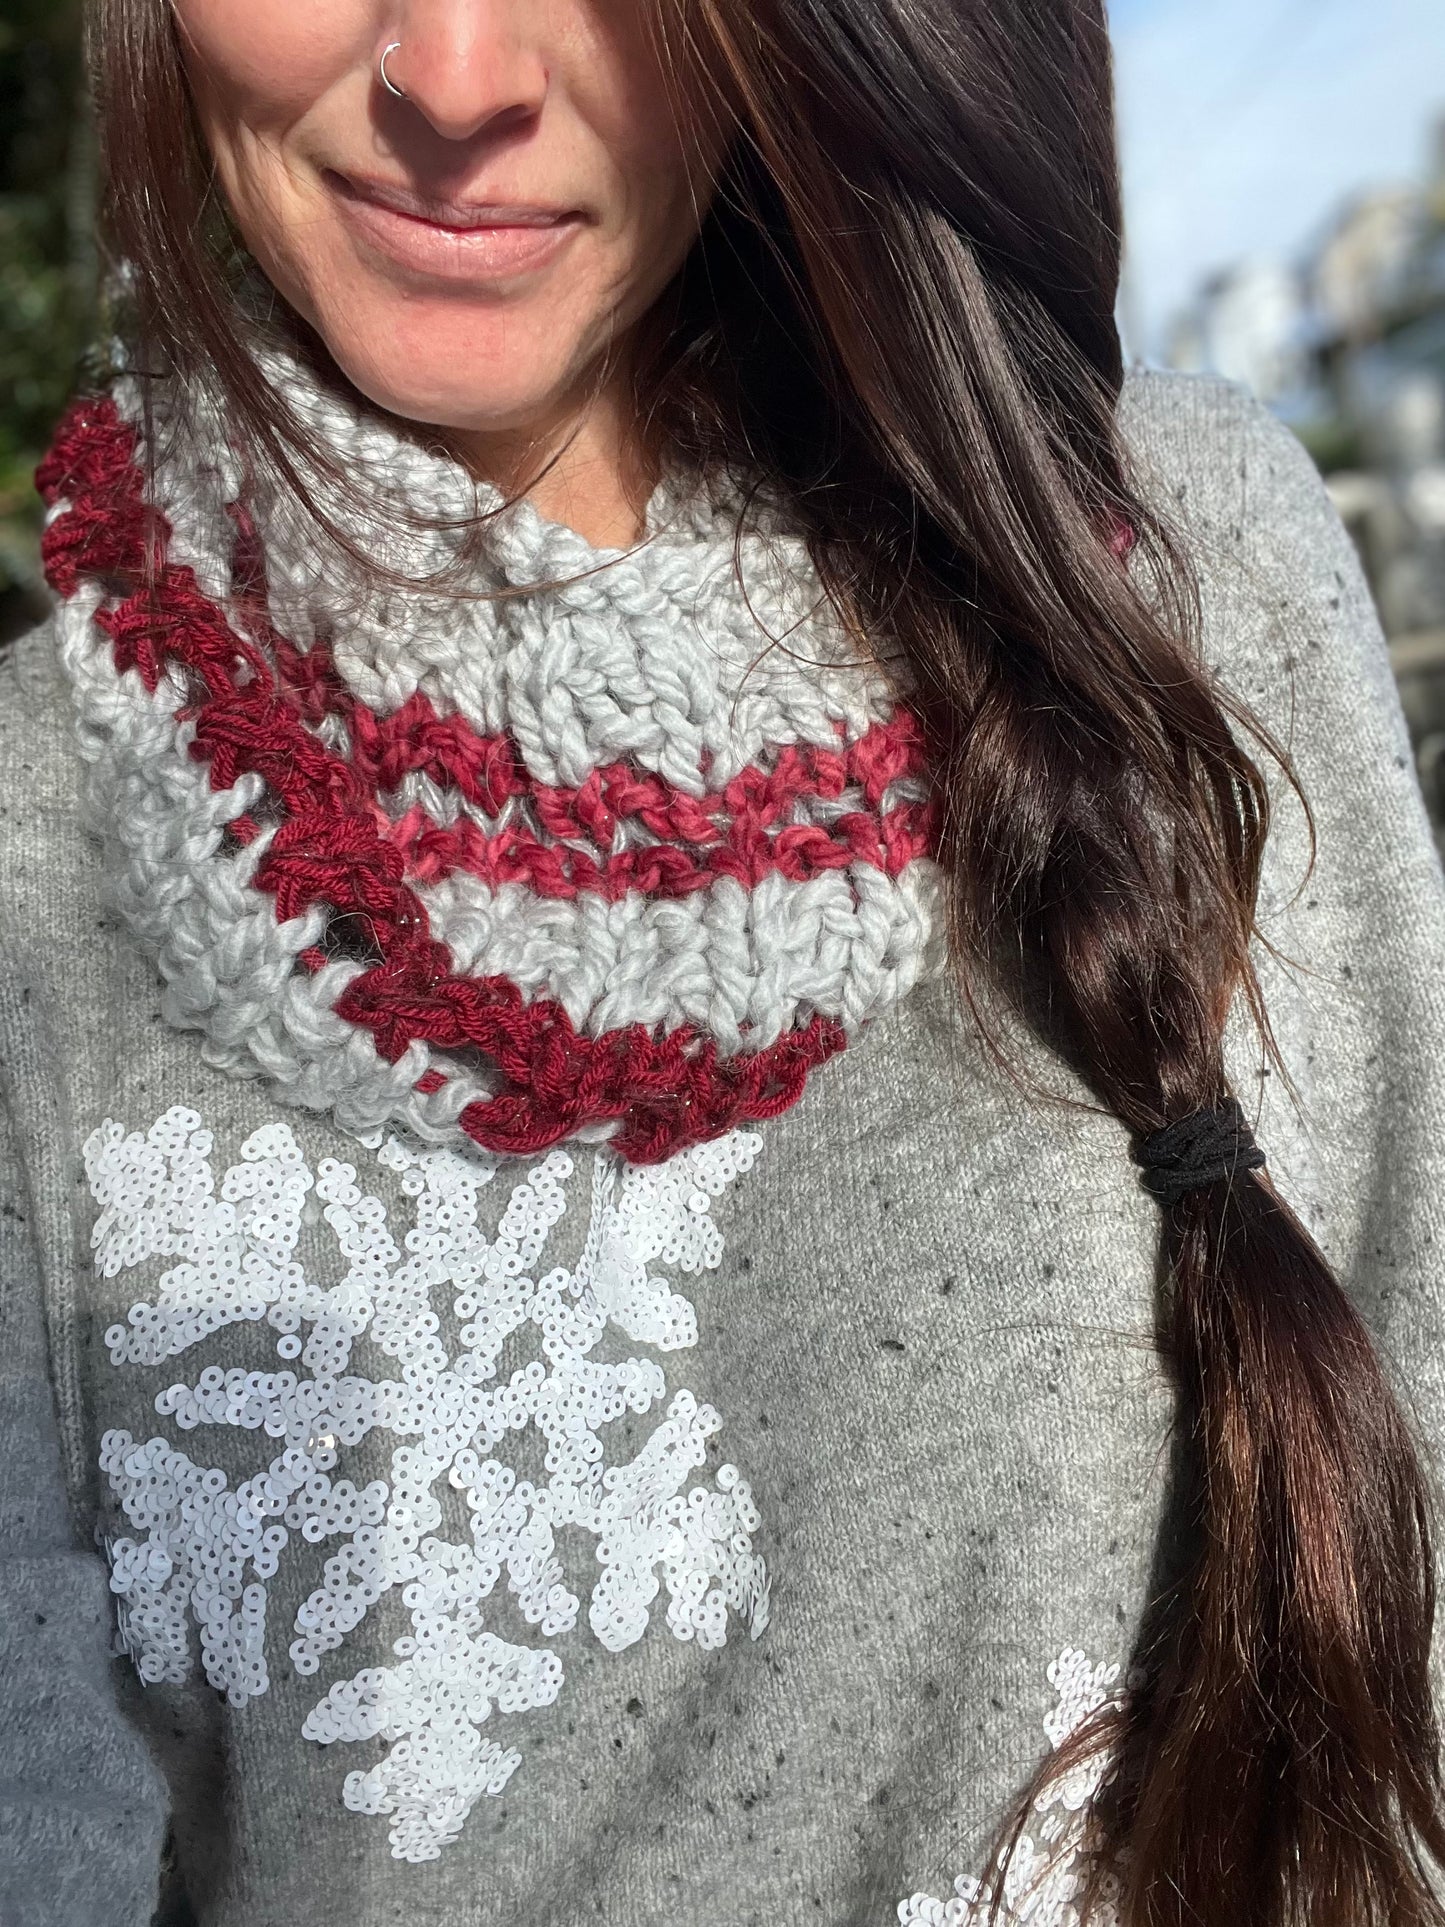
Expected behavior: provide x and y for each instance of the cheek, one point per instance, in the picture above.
(664, 135)
(260, 70)
(265, 62)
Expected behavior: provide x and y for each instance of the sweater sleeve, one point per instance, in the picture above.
(82, 1807)
(1352, 960)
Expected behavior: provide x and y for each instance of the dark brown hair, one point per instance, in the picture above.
(901, 310)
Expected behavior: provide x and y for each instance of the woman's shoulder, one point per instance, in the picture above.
(1254, 512)
(1288, 618)
(1217, 463)
(33, 705)
(40, 772)
(37, 730)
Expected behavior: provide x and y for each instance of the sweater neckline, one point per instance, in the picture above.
(581, 858)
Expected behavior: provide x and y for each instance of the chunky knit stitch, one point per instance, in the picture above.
(919, 1327)
(577, 851)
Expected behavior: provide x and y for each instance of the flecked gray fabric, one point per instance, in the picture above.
(930, 1341)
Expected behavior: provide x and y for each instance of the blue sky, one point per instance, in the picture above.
(1244, 122)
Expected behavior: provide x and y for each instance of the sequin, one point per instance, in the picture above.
(442, 1301)
(1043, 1883)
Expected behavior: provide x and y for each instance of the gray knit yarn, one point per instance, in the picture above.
(585, 657)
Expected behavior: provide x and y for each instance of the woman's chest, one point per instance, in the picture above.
(423, 1459)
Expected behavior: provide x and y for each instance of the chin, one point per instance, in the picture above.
(439, 400)
(445, 392)
(498, 369)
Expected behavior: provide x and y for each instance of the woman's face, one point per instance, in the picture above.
(467, 253)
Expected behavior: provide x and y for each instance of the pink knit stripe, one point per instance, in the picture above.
(661, 1092)
(888, 842)
(488, 772)
(748, 830)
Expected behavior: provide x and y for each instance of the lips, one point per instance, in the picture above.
(477, 241)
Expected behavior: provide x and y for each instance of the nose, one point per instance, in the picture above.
(466, 65)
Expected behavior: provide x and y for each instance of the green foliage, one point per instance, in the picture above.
(47, 261)
(1332, 440)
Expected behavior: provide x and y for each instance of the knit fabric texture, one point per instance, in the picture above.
(547, 1541)
(609, 845)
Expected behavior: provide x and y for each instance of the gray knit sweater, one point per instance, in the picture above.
(410, 1533)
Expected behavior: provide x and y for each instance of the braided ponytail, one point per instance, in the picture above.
(1277, 1761)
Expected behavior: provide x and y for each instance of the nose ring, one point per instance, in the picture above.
(386, 80)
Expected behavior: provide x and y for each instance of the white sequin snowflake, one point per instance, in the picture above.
(203, 1551)
(1043, 1881)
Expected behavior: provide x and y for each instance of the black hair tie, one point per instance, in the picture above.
(1207, 1147)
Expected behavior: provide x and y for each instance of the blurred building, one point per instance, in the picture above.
(1347, 344)
(1362, 257)
(1245, 324)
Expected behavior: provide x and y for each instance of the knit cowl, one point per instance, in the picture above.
(433, 814)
